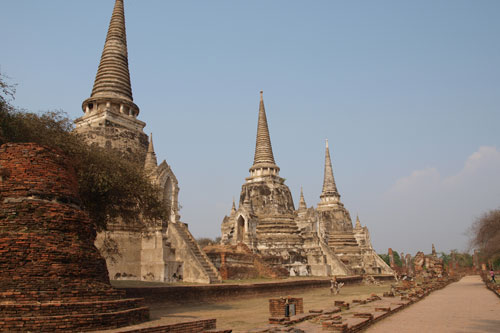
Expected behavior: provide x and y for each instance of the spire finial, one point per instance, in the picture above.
(302, 202)
(329, 186)
(151, 162)
(150, 147)
(233, 208)
(358, 223)
(263, 148)
(113, 77)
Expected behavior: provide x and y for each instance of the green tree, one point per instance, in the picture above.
(485, 236)
(397, 259)
(205, 241)
(110, 185)
(385, 257)
(445, 257)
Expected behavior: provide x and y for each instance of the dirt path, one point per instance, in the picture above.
(464, 306)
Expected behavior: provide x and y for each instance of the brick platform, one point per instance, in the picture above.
(52, 277)
(196, 326)
(277, 306)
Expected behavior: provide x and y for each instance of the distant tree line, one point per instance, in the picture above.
(463, 259)
(110, 185)
(205, 241)
(485, 237)
(397, 259)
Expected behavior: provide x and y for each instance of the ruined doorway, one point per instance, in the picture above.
(168, 196)
(240, 229)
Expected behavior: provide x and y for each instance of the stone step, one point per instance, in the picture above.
(65, 308)
(75, 322)
(193, 245)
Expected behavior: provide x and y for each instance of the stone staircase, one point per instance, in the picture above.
(343, 240)
(338, 267)
(345, 246)
(201, 256)
(279, 230)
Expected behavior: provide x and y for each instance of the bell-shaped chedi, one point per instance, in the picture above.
(110, 114)
(264, 220)
(48, 261)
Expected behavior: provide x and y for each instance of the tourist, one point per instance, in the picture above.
(492, 274)
(334, 286)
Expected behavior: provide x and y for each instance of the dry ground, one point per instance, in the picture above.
(245, 314)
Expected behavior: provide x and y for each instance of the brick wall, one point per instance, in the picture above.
(196, 326)
(277, 306)
(225, 291)
(51, 275)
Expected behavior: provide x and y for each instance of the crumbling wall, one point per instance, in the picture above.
(110, 134)
(239, 262)
(48, 260)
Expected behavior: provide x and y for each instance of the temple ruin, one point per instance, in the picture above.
(164, 250)
(308, 241)
(421, 265)
(52, 277)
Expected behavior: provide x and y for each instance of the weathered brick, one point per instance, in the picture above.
(51, 275)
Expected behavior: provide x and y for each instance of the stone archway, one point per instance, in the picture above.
(240, 229)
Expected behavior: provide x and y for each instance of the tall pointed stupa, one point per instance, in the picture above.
(113, 78)
(266, 205)
(110, 114)
(329, 194)
(263, 161)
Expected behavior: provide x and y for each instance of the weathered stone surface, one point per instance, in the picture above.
(149, 251)
(239, 262)
(306, 241)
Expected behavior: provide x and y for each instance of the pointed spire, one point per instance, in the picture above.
(151, 162)
(302, 202)
(233, 208)
(329, 187)
(113, 77)
(358, 223)
(263, 148)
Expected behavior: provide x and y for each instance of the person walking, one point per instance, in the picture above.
(334, 286)
(492, 274)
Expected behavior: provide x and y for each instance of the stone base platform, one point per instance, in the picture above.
(195, 326)
(77, 316)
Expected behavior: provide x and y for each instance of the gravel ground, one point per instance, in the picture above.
(464, 306)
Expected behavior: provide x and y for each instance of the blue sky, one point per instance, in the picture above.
(407, 92)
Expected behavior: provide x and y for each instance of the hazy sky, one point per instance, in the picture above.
(407, 92)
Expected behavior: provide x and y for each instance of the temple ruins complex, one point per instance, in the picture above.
(152, 251)
(266, 226)
(308, 241)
